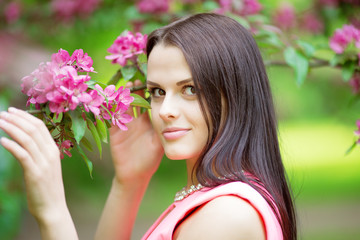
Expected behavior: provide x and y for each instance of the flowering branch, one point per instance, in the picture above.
(62, 94)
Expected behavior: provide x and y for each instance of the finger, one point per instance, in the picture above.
(22, 138)
(36, 122)
(18, 152)
(28, 127)
(129, 84)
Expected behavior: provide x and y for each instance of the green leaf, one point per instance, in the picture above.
(143, 67)
(351, 148)
(325, 54)
(268, 39)
(78, 125)
(210, 6)
(348, 70)
(298, 62)
(307, 48)
(86, 143)
(102, 130)
(243, 21)
(132, 13)
(58, 118)
(95, 135)
(139, 101)
(128, 72)
(86, 159)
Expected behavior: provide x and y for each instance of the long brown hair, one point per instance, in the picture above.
(234, 94)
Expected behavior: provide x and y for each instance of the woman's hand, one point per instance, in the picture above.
(34, 148)
(136, 152)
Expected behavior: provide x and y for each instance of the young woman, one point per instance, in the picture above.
(211, 106)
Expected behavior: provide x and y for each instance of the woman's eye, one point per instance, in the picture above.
(189, 90)
(157, 92)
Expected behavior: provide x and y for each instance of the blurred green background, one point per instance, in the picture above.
(316, 124)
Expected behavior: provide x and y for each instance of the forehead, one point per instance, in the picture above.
(167, 63)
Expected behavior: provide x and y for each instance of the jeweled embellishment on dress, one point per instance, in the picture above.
(180, 195)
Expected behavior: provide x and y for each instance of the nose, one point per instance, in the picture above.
(169, 109)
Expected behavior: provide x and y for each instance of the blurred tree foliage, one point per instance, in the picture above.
(294, 39)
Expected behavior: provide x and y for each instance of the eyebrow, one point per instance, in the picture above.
(182, 82)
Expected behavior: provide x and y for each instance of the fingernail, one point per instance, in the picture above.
(4, 115)
(12, 109)
(2, 123)
(3, 140)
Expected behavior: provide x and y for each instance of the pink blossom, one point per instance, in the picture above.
(285, 16)
(355, 83)
(70, 91)
(79, 60)
(62, 58)
(88, 6)
(355, 21)
(124, 97)
(127, 47)
(38, 83)
(343, 37)
(66, 9)
(240, 7)
(109, 92)
(83, 61)
(116, 102)
(59, 84)
(225, 6)
(12, 12)
(312, 23)
(357, 132)
(119, 118)
(95, 102)
(153, 6)
(251, 7)
(64, 147)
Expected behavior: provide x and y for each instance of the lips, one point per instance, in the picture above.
(174, 133)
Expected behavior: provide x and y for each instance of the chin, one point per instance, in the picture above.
(173, 156)
(181, 155)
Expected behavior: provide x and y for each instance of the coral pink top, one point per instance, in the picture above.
(165, 225)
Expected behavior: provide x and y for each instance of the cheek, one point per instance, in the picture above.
(198, 121)
(155, 119)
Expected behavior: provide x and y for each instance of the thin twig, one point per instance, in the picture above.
(115, 78)
(35, 111)
(314, 64)
(49, 120)
(137, 88)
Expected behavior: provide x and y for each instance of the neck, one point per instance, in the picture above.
(190, 163)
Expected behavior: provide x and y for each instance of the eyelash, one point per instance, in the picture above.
(153, 89)
(186, 86)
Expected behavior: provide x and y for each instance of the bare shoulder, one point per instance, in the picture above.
(225, 217)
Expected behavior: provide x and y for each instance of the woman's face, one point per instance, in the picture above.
(176, 113)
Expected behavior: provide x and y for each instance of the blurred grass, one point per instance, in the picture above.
(315, 157)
